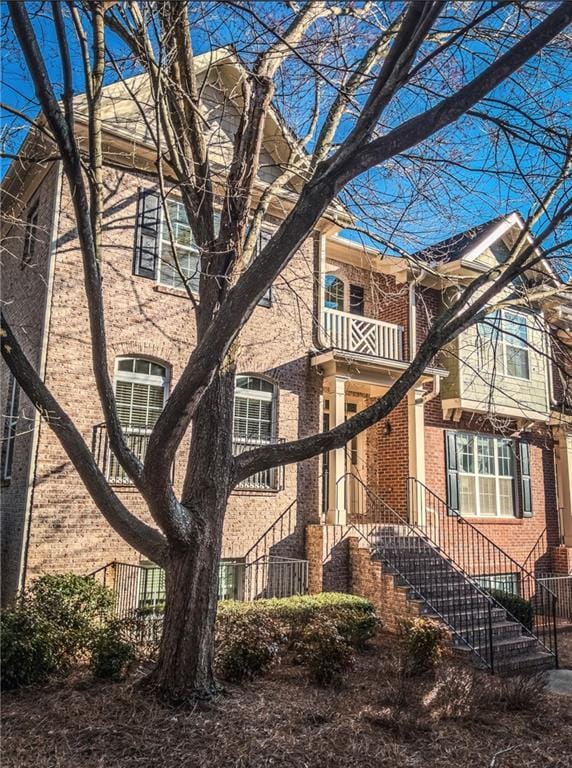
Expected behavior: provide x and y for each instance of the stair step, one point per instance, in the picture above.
(528, 663)
(479, 634)
(509, 648)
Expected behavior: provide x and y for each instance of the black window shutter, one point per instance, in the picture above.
(356, 300)
(147, 234)
(525, 479)
(263, 238)
(452, 472)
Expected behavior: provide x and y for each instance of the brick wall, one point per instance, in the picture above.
(144, 319)
(517, 536)
(368, 579)
(23, 291)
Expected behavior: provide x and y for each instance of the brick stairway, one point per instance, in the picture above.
(475, 619)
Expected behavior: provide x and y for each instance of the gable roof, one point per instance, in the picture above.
(459, 245)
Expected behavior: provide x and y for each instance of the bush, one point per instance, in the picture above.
(324, 651)
(30, 649)
(73, 605)
(423, 642)
(247, 643)
(111, 651)
(520, 608)
(354, 616)
(515, 694)
(50, 627)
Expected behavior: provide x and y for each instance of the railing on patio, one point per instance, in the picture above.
(363, 335)
(140, 590)
(268, 479)
(562, 588)
(137, 439)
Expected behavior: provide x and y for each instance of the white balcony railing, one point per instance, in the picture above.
(363, 335)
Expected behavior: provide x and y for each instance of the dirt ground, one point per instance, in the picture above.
(375, 718)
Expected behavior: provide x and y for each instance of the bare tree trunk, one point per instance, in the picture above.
(185, 666)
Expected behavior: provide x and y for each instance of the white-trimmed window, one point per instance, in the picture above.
(506, 333)
(9, 428)
(185, 250)
(31, 234)
(334, 293)
(486, 475)
(140, 392)
(254, 418)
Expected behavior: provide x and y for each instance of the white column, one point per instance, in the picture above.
(416, 440)
(337, 458)
(564, 479)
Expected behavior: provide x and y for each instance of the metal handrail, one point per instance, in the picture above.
(432, 534)
(473, 588)
(495, 556)
(270, 534)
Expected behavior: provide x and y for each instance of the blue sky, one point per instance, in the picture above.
(461, 177)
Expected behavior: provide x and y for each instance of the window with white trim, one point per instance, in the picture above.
(486, 475)
(253, 410)
(334, 290)
(9, 430)
(140, 390)
(30, 235)
(181, 264)
(506, 333)
(140, 394)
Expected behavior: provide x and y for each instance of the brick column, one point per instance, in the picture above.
(314, 544)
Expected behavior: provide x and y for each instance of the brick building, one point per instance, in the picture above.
(480, 429)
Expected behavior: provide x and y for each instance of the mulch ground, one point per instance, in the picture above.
(457, 717)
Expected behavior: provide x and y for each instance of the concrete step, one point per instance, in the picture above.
(509, 648)
(528, 663)
(478, 635)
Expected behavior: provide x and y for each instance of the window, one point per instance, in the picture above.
(504, 582)
(140, 391)
(30, 236)
(506, 333)
(333, 293)
(231, 575)
(253, 410)
(185, 253)
(255, 424)
(356, 299)
(151, 589)
(485, 475)
(9, 431)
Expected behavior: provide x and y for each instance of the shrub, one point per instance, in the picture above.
(514, 694)
(73, 605)
(30, 648)
(354, 616)
(50, 627)
(520, 608)
(111, 651)
(324, 651)
(247, 643)
(423, 642)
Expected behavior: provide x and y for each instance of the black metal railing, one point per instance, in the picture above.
(277, 534)
(538, 558)
(140, 590)
(447, 593)
(268, 479)
(137, 440)
(481, 559)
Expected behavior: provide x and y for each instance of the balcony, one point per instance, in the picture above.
(137, 439)
(269, 479)
(363, 335)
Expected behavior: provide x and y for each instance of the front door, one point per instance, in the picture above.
(356, 469)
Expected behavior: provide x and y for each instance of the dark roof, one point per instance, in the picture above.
(458, 245)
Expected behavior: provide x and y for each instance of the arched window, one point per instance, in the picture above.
(333, 293)
(140, 391)
(254, 418)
